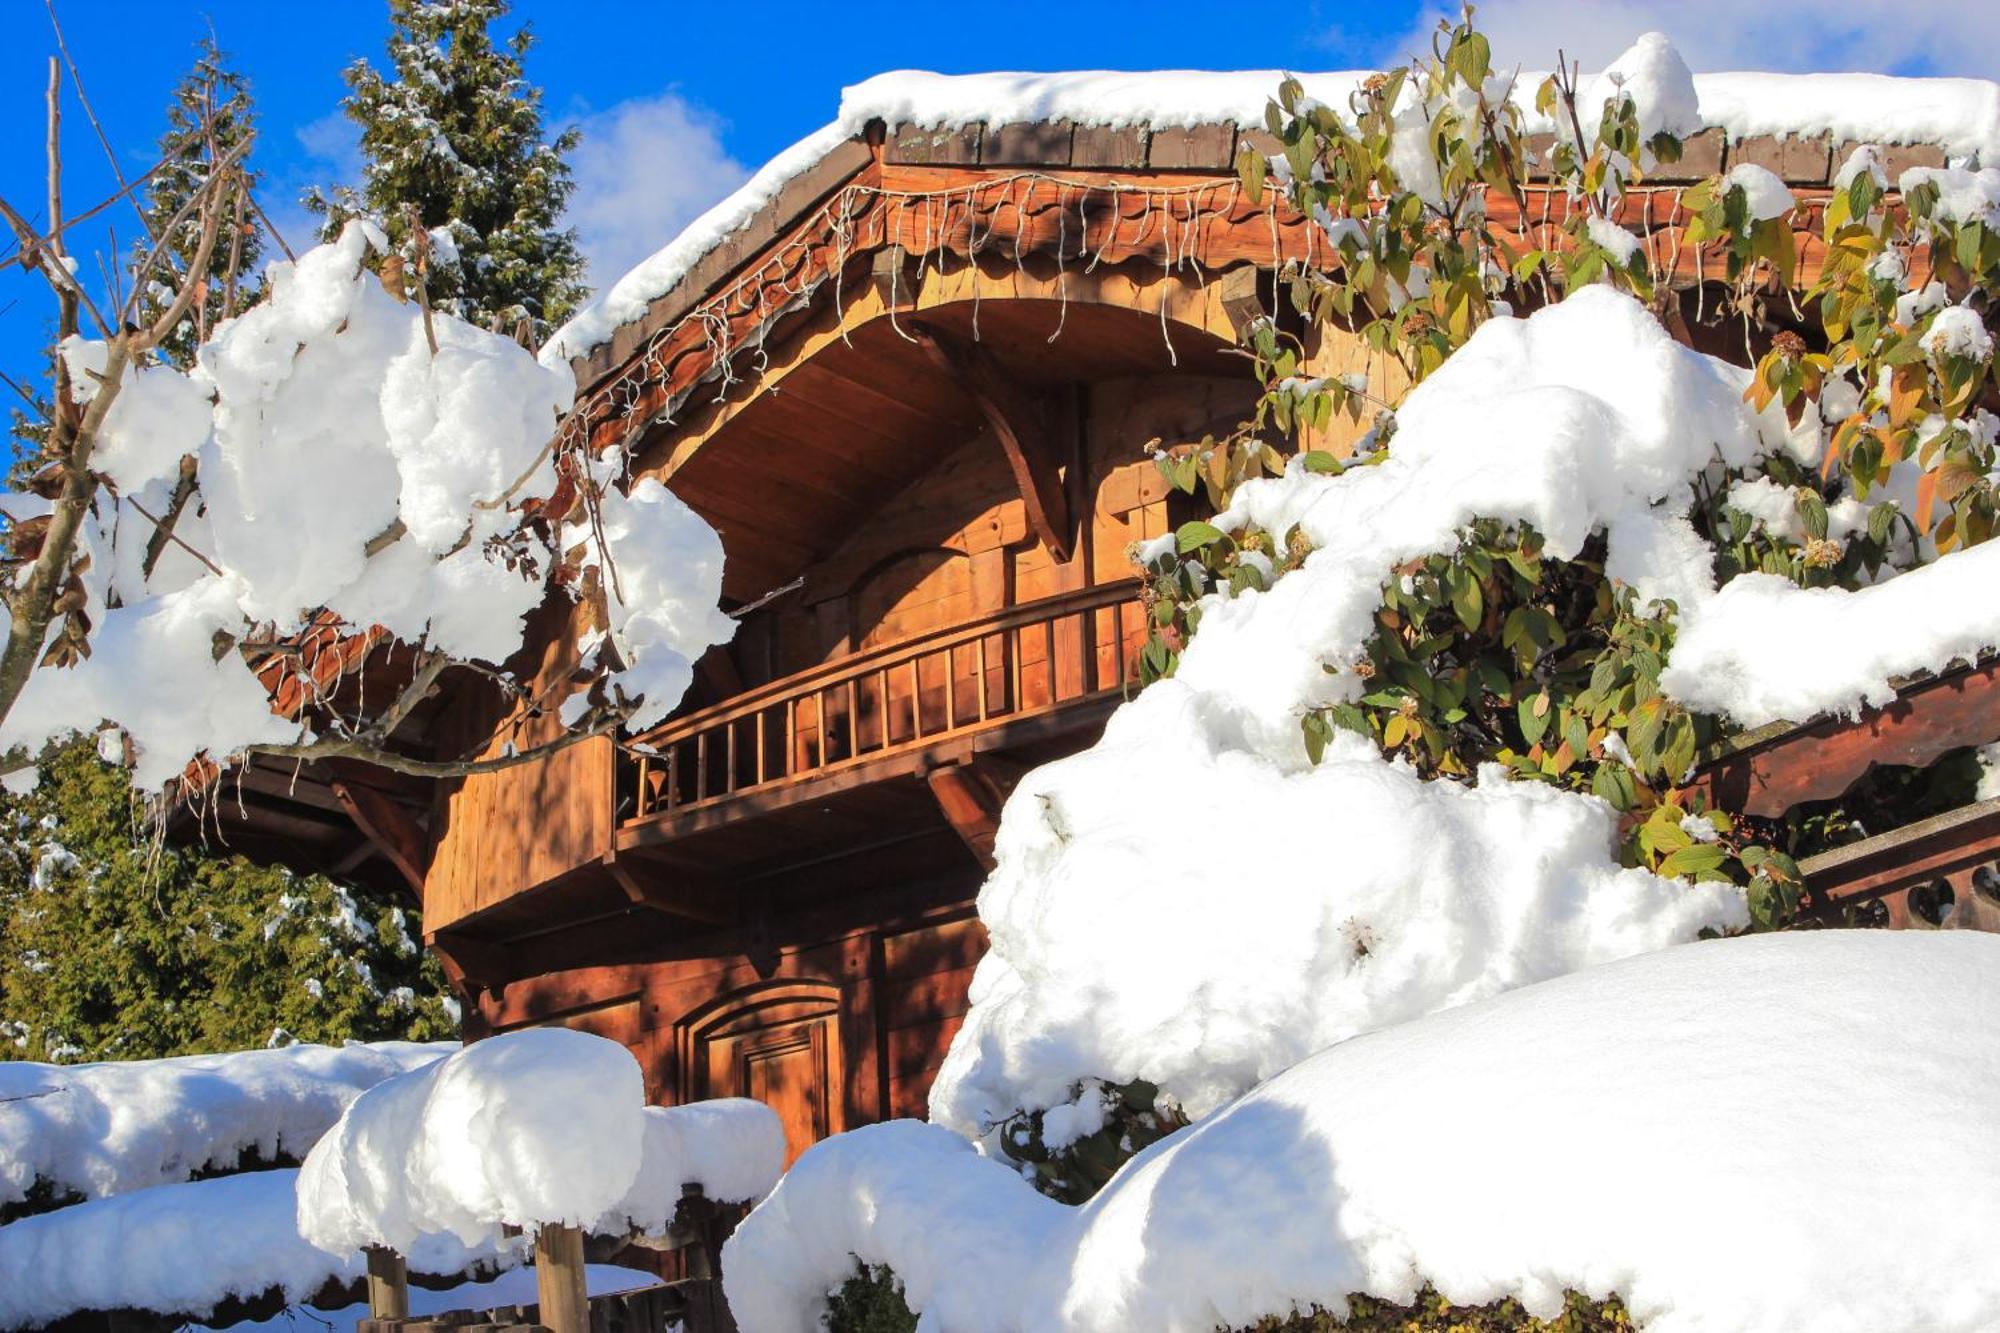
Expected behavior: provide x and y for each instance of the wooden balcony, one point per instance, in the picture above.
(1026, 675)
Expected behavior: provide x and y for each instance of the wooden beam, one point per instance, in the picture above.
(696, 902)
(1039, 443)
(970, 794)
(391, 828)
(473, 964)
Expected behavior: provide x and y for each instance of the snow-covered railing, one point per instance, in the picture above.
(543, 1134)
(103, 1129)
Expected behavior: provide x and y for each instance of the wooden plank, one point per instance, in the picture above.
(927, 999)
(1032, 143)
(914, 144)
(390, 827)
(945, 947)
(1107, 146)
(560, 1285)
(1193, 147)
(1769, 773)
(388, 1284)
(1795, 160)
(676, 897)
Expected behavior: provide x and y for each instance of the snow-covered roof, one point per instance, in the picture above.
(1960, 117)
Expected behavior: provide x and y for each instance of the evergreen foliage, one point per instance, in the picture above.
(459, 172)
(113, 946)
(209, 117)
(869, 1302)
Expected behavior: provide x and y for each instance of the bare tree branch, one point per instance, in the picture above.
(83, 100)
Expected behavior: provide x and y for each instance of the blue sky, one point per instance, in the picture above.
(678, 101)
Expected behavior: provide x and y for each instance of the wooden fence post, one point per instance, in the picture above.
(559, 1279)
(388, 1284)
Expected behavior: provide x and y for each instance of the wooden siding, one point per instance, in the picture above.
(841, 1032)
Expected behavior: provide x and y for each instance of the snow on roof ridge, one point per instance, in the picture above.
(1959, 115)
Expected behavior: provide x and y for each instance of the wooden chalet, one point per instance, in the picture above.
(917, 396)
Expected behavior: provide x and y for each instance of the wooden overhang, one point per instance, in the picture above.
(911, 286)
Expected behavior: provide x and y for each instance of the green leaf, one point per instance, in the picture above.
(1694, 859)
(1195, 534)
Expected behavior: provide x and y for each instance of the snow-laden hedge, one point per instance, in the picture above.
(97, 1130)
(1760, 1134)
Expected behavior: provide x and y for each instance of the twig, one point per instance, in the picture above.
(21, 256)
(166, 530)
(83, 100)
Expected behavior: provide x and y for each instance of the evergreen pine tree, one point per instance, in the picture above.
(209, 117)
(113, 947)
(453, 138)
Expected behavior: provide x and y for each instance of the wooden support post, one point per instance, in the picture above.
(559, 1280)
(1038, 443)
(388, 1284)
(970, 795)
(391, 828)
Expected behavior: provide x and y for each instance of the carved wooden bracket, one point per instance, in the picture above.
(394, 832)
(1040, 440)
(970, 794)
(473, 965)
(696, 902)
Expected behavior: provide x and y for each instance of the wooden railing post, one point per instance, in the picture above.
(559, 1280)
(388, 1284)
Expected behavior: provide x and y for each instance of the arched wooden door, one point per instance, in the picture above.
(778, 1043)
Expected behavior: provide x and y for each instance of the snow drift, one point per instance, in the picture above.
(117, 1126)
(1759, 1134)
(530, 1128)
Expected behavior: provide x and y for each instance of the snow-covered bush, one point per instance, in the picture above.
(337, 450)
(1658, 1128)
(98, 1130)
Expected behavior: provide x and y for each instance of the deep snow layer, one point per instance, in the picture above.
(1960, 115)
(112, 1127)
(1309, 903)
(1761, 1134)
(539, 1126)
(182, 1249)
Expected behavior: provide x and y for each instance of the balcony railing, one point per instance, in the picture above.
(1022, 663)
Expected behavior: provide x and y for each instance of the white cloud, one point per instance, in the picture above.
(1883, 36)
(329, 155)
(645, 169)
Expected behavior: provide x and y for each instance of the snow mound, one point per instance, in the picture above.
(734, 1148)
(1766, 650)
(110, 1128)
(181, 1249)
(539, 1126)
(529, 1128)
(1208, 954)
(1760, 1134)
